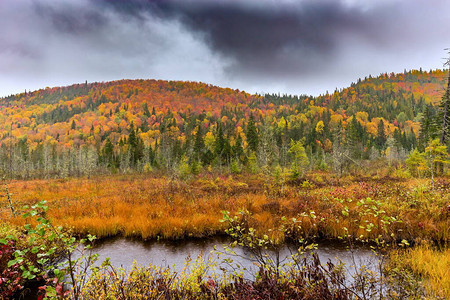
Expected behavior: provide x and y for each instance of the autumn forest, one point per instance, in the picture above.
(186, 127)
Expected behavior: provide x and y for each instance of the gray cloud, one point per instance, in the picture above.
(289, 38)
(305, 46)
(285, 39)
(69, 17)
(64, 43)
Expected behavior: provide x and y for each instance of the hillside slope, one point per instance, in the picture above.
(390, 94)
(67, 114)
(166, 118)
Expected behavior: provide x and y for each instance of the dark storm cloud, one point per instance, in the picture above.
(285, 38)
(293, 38)
(69, 18)
(295, 46)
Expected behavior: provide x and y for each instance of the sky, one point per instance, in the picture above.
(260, 46)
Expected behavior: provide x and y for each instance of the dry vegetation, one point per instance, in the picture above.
(431, 265)
(151, 207)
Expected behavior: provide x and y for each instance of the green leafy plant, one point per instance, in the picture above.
(47, 253)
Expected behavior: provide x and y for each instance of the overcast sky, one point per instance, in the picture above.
(286, 46)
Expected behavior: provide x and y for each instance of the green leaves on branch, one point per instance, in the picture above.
(48, 252)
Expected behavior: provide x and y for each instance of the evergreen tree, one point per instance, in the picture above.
(354, 136)
(151, 156)
(177, 149)
(23, 149)
(145, 110)
(252, 134)
(381, 138)
(219, 144)
(136, 146)
(444, 112)
(428, 130)
(199, 144)
(226, 152)
(108, 154)
(132, 139)
(237, 149)
(398, 138)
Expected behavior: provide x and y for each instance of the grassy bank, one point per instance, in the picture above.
(427, 263)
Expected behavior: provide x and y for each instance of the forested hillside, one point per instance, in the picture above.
(184, 127)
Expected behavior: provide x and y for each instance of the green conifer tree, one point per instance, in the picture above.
(381, 138)
(252, 134)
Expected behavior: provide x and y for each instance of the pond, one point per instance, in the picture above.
(122, 252)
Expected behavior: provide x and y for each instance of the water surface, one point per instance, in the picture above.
(122, 252)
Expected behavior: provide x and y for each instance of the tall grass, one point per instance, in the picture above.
(429, 264)
(151, 207)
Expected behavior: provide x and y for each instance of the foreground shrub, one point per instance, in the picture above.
(43, 255)
(309, 280)
(11, 279)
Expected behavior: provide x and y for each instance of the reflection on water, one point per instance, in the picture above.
(123, 252)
